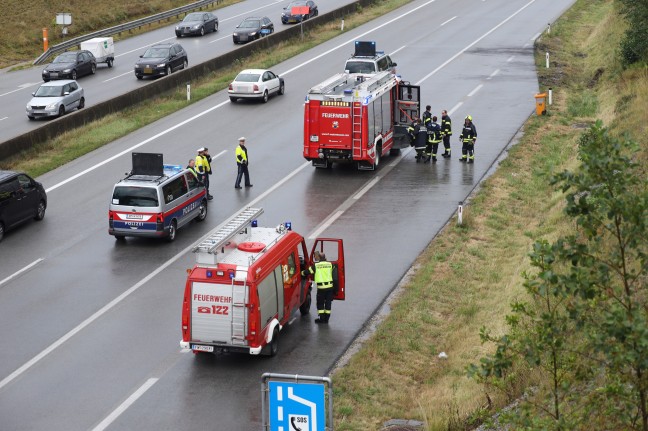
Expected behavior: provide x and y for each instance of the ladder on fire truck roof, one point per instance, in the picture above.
(228, 230)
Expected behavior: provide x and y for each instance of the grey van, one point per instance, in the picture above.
(156, 205)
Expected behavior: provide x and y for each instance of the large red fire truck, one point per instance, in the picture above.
(246, 285)
(358, 118)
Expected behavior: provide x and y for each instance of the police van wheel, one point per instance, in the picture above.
(304, 309)
(172, 231)
(273, 347)
(202, 211)
(120, 237)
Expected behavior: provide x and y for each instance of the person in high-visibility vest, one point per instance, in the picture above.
(446, 132)
(434, 137)
(192, 167)
(242, 164)
(468, 137)
(323, 279)
(204, 169)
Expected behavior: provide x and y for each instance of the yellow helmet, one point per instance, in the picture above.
(469, 118)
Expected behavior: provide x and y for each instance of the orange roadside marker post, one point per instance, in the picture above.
(45, 41)
(541, 106)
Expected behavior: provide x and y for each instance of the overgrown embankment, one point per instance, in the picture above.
(470, 274)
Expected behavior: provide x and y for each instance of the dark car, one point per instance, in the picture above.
(197, 23)
(161, 59)
(71, 65)
(252, 28)
(21, 199)
(291, 15)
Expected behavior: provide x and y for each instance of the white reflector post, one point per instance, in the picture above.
(550, 94)
(460, 213)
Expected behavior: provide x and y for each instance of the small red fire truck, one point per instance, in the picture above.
(247, 284)
(358, 118)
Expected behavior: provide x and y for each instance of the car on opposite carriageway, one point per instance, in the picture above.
(161, 59)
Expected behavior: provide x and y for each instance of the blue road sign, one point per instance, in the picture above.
(296, 406)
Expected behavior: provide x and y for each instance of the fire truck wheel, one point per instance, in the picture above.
(273, 347)
(304, 309)
(202, 211)
(264, 99)
(172, 231)
(377, 159)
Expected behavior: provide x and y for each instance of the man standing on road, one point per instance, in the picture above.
(242, 164)
(468, 137)
(192, 167)
(446, 132)
(427, 115)
(434, 137)
(204, 169)
(323, 279)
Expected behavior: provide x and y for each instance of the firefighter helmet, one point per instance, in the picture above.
(469, 117)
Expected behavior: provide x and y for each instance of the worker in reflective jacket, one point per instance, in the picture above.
(419, 138)
(468, 137)
(434, 137)
(446, 132)
(323, 278)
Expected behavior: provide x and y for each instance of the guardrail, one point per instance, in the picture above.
(80, 118)
(63, 46)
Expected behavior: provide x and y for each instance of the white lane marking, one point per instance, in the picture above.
(510, 59)
(29, 84)
(325, 225)
(119, 76)
(366, 188)
(526, 45)
(454, 108)
(221, 38)
(472, 93)
(474, 43)
(537, 35)
(219, 154)
(394, 52)
(125, 405)
(145, 46)
(164, 132)
(492, 75)
(17, 273)
(445, 22)
(128, 150)
(1, 120)
(13, 91)
(103, 310)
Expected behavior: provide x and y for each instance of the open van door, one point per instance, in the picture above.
(333, 249)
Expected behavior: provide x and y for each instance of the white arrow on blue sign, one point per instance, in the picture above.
(296, 406)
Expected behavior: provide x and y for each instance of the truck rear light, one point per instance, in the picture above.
(160, 218)
(111, 215)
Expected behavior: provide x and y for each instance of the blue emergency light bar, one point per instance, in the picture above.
(255, 223)
(172, 168)
(288, 225)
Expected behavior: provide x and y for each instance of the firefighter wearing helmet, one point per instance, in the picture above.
(323, 279)
(467, 138)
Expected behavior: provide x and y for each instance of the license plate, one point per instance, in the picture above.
(243, 38)
(186, 30)
(148, 70)
(134, 216)
(202, 348)
(53, 75)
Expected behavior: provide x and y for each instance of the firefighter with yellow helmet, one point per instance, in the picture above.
(467, 138)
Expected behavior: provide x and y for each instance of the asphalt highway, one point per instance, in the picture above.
(16, 87)
(92, 325)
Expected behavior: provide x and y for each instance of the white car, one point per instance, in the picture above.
(55, 98)
(255, 84)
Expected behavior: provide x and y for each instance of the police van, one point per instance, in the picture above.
(155, 199)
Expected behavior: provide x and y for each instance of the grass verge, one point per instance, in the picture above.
(67, 147)
(469, 274)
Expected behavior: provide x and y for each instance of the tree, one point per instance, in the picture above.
(634, 46)
(590, 294)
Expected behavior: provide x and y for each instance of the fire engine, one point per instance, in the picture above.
(247, 284)
(358, 118)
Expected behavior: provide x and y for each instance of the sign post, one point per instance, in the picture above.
(296, 403)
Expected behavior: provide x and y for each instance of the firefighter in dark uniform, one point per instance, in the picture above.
(323, 279)
(427, 116)
(468, 137)
(434, 137)
(418, 138)
(446, 132)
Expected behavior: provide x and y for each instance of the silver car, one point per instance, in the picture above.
(55, 98)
